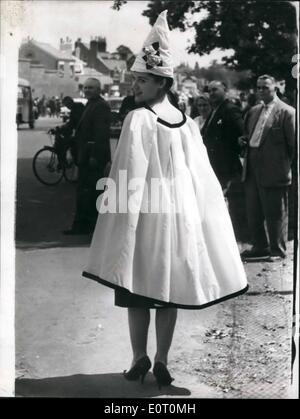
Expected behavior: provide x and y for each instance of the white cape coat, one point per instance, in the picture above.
(190, 258)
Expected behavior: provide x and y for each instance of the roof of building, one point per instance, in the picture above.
(91, 72)
(111, 63)
(104, 55)
(49, 49)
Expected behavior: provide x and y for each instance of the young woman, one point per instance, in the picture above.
(204, 109)
(165, 247)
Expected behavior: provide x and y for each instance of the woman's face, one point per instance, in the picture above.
(203, 107)
(145, 88)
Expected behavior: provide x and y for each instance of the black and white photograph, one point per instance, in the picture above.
(149, 202)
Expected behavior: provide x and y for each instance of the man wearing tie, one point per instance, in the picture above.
(270, 133)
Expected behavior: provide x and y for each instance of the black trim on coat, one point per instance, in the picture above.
(168, 124)
(163, 303)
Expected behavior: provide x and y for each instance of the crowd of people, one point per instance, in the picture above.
(263, 134)
(47, 106)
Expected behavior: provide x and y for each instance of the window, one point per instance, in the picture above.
(20, 92)
(72, 69)
(61, 66)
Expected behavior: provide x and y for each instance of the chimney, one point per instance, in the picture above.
(66, 45)
(92, 53)
(93, 46)
(78, 42)
(101, 44)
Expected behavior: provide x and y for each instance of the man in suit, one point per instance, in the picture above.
(220, 135)
(270, 133)
(93, 143)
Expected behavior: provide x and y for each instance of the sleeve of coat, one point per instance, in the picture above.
(246, 122)
(289, 131)
(236, 124)
(101, 134)
(236, 119)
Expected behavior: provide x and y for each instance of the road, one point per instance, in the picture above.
(71, 341)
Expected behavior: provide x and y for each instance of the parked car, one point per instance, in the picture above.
(25, 105)
(65, 112)
(115, 103)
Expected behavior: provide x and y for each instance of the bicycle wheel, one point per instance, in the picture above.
(46, 167)
(70, 168)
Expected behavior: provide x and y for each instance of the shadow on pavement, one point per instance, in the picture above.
(98, 385)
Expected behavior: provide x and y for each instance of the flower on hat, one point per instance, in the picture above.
(152, 56)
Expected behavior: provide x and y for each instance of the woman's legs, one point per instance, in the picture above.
(138, 319)
(165, 325)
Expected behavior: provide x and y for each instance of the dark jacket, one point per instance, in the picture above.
(93, 133)
(220, 137)
(277, 145)
(75, 116)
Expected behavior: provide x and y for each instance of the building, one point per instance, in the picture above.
(48, 56)
(50, 71)
(113, 65)
(95, 56)
(60, 72)
(46, 82)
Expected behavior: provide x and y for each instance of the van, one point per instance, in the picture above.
(25, 113)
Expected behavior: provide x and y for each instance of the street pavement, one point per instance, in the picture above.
(71, 341)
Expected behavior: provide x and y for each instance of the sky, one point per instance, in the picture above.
(50, 20)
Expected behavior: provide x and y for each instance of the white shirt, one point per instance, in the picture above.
(264, 115)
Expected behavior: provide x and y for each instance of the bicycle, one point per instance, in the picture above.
(53, 163)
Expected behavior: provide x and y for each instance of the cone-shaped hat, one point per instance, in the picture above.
(155, 56)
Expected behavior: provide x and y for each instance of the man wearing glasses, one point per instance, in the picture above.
(270, 142)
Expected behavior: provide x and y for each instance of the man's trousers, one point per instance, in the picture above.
(267, 211)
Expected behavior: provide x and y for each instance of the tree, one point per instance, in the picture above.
(262, 34)
(118, 3)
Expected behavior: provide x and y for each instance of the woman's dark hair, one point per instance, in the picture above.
(173, 98)
(167, 89)
(169, 81)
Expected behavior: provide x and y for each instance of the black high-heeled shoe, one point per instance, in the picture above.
(140, 369)
(162, 375)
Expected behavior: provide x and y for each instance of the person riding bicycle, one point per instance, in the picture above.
(64, 133)
(77, 109)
